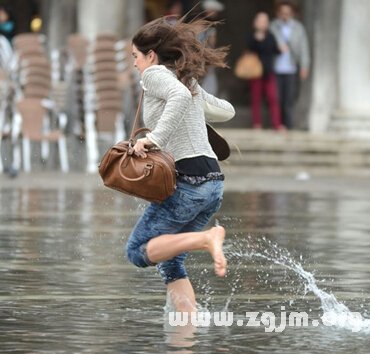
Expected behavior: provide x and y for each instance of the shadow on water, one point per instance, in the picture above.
(66, 286)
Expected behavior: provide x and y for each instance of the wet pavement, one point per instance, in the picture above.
(67, 287)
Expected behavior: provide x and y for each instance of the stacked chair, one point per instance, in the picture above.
(92, 82)
(6, 92)
(34, 109)
(128, 81)
(102, 97)
(108, 99)
(33, 115)
(77, 46)
(4, 123)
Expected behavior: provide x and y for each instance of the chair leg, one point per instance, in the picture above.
(45, 150)
(120, 128)
(2, 119)
(91, 143)
(1, 158)
(63, 155)
(16, 165)
(26, 146)
(45, 145)
(16, 129)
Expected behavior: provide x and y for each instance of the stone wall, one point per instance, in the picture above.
(90, 17)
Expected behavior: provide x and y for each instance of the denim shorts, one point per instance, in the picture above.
(189, 209)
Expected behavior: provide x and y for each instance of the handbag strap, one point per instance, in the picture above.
(136, 121)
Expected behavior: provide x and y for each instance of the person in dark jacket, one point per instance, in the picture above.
(263, 43)
(6, 24)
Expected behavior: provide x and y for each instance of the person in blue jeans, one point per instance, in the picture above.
(171, 60)
(294, 61)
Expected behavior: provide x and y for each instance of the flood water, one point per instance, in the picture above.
(67, 287)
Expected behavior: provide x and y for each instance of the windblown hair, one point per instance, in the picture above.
(178, 47)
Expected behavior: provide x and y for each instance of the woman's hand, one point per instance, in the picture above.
(283, 48)
(141, 147)
(303, 74)
(260, 35)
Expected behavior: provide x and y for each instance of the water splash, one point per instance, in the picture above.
(335, 313)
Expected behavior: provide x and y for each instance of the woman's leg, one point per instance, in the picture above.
(256, 98)
(180, 291)
(270, 87)
(165, 247)
(281, 91)
(173, 218)
(182, 296)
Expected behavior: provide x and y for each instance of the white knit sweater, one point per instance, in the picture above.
(176, 118)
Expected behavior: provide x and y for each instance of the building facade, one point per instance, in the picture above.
(335, 98)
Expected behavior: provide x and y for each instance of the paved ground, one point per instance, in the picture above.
(236, 180)
(66, 284)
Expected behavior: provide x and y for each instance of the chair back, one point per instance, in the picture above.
(33, 114)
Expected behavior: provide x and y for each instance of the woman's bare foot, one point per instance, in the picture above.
(215, 239)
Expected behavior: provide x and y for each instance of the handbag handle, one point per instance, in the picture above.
(139, 131)
(136, 120)
(146, 172)
(136, 133)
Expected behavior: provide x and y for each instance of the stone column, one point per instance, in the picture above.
(60, 21)
(355, 57)
(353, 114)
(134, 17)
(325, 43)
(96, 16)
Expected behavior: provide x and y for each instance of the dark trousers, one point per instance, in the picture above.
(265, 86)
(287, 89)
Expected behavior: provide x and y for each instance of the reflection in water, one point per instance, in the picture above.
(180, 338)
(63, 274)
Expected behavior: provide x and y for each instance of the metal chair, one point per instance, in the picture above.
(103, 101)
(77, 50)
(36, 80)
(3, 105)
(109, 119)
(36, 126)
(30, 38)
(6, 106)
(36, 91)
(107, 37)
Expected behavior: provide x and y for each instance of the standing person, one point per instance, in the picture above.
(171, 59)
(263, 43)
(6, 24)
(293, 62)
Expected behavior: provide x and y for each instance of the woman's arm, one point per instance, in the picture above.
(275, 46)
(251, 43)
(216, 109)
(160, 83)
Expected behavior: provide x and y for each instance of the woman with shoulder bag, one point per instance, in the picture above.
(263, 43)
(170, 60)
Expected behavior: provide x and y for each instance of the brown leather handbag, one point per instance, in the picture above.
(152, 178)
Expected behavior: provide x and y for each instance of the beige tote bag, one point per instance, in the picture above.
(248, 66)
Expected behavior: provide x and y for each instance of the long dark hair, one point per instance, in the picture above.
(178, 47)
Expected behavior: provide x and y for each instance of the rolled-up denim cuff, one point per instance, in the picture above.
(171, 280)
(145, 255)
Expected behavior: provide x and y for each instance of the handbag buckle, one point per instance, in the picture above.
(148, 167)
